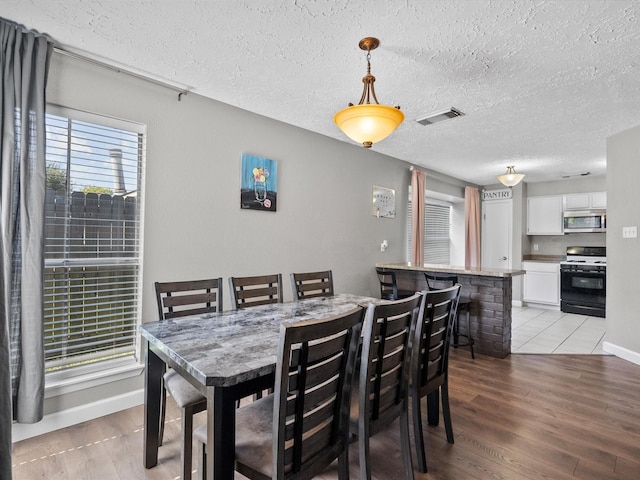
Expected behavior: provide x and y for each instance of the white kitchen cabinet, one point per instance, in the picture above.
(541, 283)
(544, 215)
(599, 200)
(585, 201)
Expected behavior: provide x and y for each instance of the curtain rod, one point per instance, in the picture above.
(77, 56)
(459, 183)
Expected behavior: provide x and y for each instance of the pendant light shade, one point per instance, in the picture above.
(511, 178)
(368, 123)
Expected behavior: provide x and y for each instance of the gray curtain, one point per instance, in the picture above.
(24, 58)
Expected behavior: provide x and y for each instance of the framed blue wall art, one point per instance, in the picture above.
(259, 183)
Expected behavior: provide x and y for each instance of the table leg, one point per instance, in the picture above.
(154, 367)
(221, 433)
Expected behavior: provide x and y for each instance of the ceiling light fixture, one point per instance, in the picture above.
(368, 123)
(511, 178)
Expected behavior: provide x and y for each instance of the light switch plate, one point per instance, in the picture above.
(629, 232)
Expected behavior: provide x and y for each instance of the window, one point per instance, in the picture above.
(437, 232)
(437, 228)
(92, 237)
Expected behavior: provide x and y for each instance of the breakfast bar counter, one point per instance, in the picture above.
(489, 290)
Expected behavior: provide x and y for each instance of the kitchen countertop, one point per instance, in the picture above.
(460, 270)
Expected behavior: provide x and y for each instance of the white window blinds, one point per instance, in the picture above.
(437, 228)
(92, 237)
(437, 232)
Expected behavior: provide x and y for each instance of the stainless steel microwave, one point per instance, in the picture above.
(581, 221)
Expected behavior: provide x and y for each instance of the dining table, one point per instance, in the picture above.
(227, 356)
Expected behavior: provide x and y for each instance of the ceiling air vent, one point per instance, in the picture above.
(577, 174)
(440, 116)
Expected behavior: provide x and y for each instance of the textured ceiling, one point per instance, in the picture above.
(542, 83)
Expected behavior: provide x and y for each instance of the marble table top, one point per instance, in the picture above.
(227, 348)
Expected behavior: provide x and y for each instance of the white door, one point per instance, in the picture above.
(496, 233)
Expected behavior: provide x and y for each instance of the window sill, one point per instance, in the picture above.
(61, 383)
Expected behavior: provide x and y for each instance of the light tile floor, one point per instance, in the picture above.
(536, 330)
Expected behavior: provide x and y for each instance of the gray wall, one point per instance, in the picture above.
(623, 254)
(193, 224)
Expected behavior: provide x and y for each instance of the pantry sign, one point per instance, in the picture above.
(497, 194)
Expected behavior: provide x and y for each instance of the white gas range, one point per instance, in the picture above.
(583, 281)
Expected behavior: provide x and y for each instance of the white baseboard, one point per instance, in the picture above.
(73, 416)
(624, 353)
(516, 303)
(542, 306)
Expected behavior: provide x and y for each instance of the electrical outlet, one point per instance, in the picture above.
(629, 232)
(535, 247)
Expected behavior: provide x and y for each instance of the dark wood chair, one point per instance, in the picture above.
(253, 291)
(178, 299)
(429, 365)
(439, 281)
(389, 286)
(312, 284)
(298, 431)
(384, 377)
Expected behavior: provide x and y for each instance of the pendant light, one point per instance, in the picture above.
(368, 123)
(511, 178)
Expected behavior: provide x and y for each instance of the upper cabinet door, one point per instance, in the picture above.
(544, 215)
(599, 200)
(585, 201)
(576, 201)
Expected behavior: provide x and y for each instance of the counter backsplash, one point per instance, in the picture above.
(544, 258)
(557, 244)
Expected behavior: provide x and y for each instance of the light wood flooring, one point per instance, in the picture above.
(553, 417)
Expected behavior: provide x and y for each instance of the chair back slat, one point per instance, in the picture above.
(312, 284)
(316, 360)
(388, 284)
(432, 339)
(191, 297)
(253, 291)
(384, 368)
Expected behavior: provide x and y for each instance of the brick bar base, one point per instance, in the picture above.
(490, 317)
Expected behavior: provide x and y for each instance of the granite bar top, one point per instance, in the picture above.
(460, 270)
(227, 348)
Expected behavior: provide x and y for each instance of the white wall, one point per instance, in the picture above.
(623, 254)
(193, 224)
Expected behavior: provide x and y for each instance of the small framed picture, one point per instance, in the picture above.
(384, 202)
(258, 183)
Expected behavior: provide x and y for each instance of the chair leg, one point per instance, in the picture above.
(455, 331)
(163, 414)
(186, 452)
(343, 464)
(433, 409)
(418, 435)
(406, 444)
(471, 341)
(202, 460)
(363, 450)
(446, 413)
